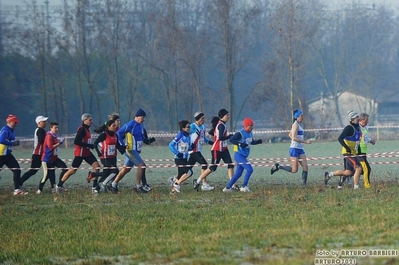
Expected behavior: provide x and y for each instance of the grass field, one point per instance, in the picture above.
(279, 222)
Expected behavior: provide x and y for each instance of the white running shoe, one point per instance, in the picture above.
(274, 168)
(227, 190)
(38, 192)
(147, 187)
(245, 189)
(235, 187)
(19, 192)
(103, 187)
(58, 189)
(206, 187)
(171, 181)
(175, 189)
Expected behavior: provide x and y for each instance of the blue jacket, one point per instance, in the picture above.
(243, 137)
(7, 137)
(181, 144)
(131, 135)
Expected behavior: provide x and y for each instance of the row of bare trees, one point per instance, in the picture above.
(259, 58)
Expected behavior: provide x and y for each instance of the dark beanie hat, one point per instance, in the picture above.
(140, 112)
(198, 115)
(222, 112)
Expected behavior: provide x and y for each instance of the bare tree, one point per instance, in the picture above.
(113, 26)
(372, 56)
(174, 57)
(193, 44)
(353, 56)
(292, 26)
(232, 20)
(168, 62)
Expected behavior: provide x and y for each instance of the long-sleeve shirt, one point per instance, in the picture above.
(181, 144)
(83, 141)
(197, 135)
(108, 142)
(220, 137)
(350, 139)
(132, 135)
(7, 137)
(242, 137)
(50, 148)
(365, 139)
(39, 136)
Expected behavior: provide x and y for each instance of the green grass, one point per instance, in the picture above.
(278, 223)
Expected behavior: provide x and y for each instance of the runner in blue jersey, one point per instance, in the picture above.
(297, 152)
(197, 135)
(181, 146)
(7, 142)
(242, 140)
(132, 135)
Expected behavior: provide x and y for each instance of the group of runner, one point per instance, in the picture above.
(186, 146)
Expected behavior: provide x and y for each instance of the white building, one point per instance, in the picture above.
(329, 113)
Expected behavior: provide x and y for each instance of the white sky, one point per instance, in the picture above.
(394, 3)
(335, 4)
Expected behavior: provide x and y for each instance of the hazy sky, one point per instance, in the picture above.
(394, 3)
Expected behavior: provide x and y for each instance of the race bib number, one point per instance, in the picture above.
(182, 147)
(139, 145)
(111, 150)
(248, 141)
(201, 136)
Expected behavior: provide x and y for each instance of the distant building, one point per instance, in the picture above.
(388, 108)
(383, 110)
(325, 114)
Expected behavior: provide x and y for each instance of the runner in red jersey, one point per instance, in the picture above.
(39, 135)
(106, 146)
(82, 152)
(219, 148)
(49, 158)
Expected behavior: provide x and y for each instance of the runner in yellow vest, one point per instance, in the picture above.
(363, 121)
(350, 141)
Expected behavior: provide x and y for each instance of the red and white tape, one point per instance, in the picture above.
(256, 162)
(172, 135)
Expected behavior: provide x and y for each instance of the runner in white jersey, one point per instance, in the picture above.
(197, 135)
(297, 153)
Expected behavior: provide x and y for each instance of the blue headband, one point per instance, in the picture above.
(297, 114)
